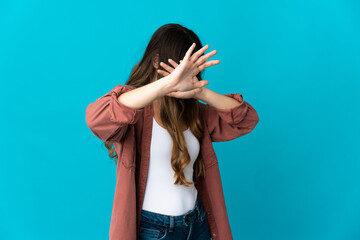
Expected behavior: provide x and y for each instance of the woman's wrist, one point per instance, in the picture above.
(202, 95)
(167, 85)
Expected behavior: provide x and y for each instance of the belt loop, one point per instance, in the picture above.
(171, 223)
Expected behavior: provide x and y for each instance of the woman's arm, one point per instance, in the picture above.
(109, 116)
(144, 95)
(217, 100)
(227, 116)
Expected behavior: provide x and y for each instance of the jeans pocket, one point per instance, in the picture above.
(151, 230)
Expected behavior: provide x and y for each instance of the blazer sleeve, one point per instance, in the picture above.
(109, 119)
(228, 124)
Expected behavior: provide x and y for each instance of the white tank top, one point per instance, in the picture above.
(161, 194)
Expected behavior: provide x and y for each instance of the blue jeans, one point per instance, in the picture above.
(192, 225)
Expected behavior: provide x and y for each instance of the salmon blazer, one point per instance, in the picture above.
(130, 130)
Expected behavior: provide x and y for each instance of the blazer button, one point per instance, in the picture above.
(214, 234)
(208, 213)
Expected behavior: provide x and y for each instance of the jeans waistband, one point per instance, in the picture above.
(166, 220)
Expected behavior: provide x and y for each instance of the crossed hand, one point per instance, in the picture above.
(183, 75)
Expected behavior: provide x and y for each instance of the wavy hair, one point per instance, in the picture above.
(171, 41)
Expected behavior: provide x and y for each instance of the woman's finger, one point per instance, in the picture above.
(197, 54)
(205, 57)
(173, 63)
(176, 94)
(167, 67)
(170, 94)
(189, 51)
(162, 72)
(186, 94)
(208, 64)
(201, 83)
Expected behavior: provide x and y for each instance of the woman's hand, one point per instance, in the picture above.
(183, 77)
(185, 94)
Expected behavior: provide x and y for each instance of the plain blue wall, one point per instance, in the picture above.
(295, 177)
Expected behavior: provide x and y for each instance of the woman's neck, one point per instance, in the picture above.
(156, 111)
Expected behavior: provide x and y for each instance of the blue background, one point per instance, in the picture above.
(295, 177)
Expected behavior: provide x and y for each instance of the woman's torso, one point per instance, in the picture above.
(161, 194)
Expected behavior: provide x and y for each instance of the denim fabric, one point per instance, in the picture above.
(193, 225)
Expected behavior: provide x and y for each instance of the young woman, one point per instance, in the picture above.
(168, 181)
